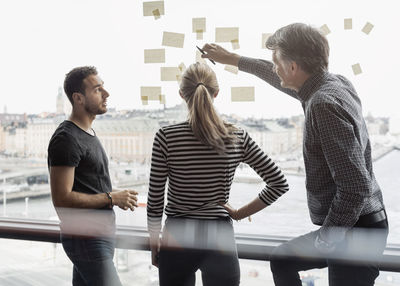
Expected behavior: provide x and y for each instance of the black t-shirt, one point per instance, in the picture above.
(72, 146)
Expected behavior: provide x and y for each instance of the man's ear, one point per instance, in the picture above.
(77, 98)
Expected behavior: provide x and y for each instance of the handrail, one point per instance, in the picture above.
(250, 246)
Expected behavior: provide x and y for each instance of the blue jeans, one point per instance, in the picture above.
(189, 245)
(354, 263)
(92, 259)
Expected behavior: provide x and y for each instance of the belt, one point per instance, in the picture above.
(371, 218)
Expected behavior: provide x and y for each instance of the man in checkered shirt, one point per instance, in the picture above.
(344, 197)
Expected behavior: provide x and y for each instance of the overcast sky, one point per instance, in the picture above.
(41, 40)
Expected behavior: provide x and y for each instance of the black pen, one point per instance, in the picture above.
(204, 54)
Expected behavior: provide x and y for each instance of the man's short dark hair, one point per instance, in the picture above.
(303, 44)
(74, 80)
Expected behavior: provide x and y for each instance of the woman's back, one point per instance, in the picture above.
(200, 178)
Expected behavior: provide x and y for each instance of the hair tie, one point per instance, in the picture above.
(200, 83)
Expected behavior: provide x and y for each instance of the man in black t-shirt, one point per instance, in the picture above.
(80, 183)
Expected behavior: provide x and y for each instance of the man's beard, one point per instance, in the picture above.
(95, 110)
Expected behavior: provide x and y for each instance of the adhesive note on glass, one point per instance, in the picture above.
(170, 74)
(324, 29)
(154, 56)
(199, 59)
(199, 35)
(162, 98)
(145, 99)
(264, 39)
(239, 94)
(356, 69)
(150, 8)
(226, 34)
(348, 24)
(231, 69)
(182, 67)
(198, 24)
(150, 92)
(235, 44)
(156, 14)
(367, 28)
(173, 39)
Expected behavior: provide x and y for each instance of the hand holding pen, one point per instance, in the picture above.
(204, 54)
(216, 53)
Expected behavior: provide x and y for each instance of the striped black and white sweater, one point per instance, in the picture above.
(199, 178)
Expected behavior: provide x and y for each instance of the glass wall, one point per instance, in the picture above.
(44, 39)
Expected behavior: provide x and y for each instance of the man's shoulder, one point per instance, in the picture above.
(64, 137)
(64, 131)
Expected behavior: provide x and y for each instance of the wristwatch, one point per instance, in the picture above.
(110, 198)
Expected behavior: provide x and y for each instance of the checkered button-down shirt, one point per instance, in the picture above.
(340, 182)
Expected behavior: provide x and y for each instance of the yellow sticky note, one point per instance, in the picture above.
(367, 28)
(356, 69)
(150, 8)
(170, 73)
(156, 14)
(235, 44)
(198, 24)
(243, 93)
(154, 56)
(150, 92)
(231, 69)
(226, 34)
(162, 98)
(182, 67)
(145, 100)
(324, 29)
(199, 35)
(173, 39)
(348, 24)
(199, 59)
(264, 38)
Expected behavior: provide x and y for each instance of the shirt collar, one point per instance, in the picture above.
(311, 85)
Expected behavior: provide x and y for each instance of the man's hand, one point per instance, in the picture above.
(323, 246)
(219, 54)
(328, 238)
(126, 199)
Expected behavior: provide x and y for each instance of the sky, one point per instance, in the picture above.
(43, 39)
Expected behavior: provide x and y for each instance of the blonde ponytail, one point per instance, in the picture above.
(198, 87)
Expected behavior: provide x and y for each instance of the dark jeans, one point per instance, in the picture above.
(93, 261)
(189, 245)
(354, 262)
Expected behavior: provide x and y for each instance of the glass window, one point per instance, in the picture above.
(43, 43)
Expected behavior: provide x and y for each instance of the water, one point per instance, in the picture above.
(286, 217)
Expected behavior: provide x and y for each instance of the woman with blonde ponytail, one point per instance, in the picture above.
(199, 158)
